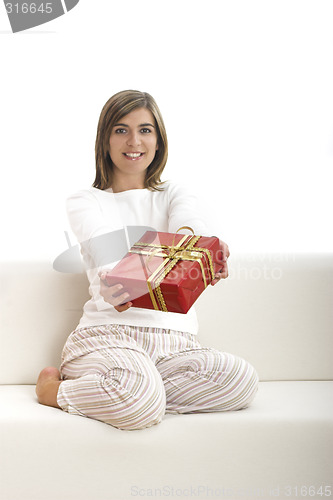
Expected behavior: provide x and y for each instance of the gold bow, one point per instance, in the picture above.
(172, 254)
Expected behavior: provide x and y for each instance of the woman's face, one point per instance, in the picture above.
(133, 143)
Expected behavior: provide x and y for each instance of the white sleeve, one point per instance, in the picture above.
(184, 211)
(99, 230)
(86, 217)
(102, 242)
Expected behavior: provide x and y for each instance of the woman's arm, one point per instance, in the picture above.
(91, 229)
(86, 217)
(184, 211)
(102, 239)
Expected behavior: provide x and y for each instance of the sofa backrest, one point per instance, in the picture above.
(273, 310)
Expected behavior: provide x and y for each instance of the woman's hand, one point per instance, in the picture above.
(108, 293)
(223, 273)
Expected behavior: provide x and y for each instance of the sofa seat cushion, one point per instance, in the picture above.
(283, 440)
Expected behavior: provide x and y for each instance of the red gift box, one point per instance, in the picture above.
(167, 272)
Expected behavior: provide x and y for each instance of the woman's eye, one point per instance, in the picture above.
(145, 130)
(120, 131)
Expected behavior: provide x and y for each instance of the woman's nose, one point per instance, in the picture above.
(133, 139)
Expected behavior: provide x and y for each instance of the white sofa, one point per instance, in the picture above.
(274, 310)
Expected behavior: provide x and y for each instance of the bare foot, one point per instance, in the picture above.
(47, 386)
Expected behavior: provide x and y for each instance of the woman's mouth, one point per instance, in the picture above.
(133, 156)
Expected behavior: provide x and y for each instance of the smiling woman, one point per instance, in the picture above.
(133, 145)
(126, 365)
(134, 115)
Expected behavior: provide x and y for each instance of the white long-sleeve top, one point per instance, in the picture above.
(93, 213)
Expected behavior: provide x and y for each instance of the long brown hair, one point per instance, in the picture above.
(114, 109)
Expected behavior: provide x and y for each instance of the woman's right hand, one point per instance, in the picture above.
(108, 293)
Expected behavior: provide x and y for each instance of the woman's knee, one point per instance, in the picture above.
(245, 384)
(242, 382)
(136, 414)
(208, 380)
(252, 385)
(142, 407)
(128, 399)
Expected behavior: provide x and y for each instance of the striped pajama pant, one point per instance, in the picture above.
(129, 377)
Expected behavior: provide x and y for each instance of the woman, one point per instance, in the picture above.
(123, 365)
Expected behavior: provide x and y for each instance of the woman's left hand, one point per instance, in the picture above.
(223, 273)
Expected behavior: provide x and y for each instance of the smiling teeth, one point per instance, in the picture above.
(133, 155)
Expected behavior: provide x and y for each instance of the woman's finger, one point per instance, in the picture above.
(121, 299)
(110, 294)
(124, 307)
(222, 274)
(225, 251)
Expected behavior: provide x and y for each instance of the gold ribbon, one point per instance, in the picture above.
(184, 250)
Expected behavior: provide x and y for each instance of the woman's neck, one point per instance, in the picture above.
(125, 184)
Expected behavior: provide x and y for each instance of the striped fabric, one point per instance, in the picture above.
(129, 377)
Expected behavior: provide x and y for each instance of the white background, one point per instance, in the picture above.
(245, 88)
